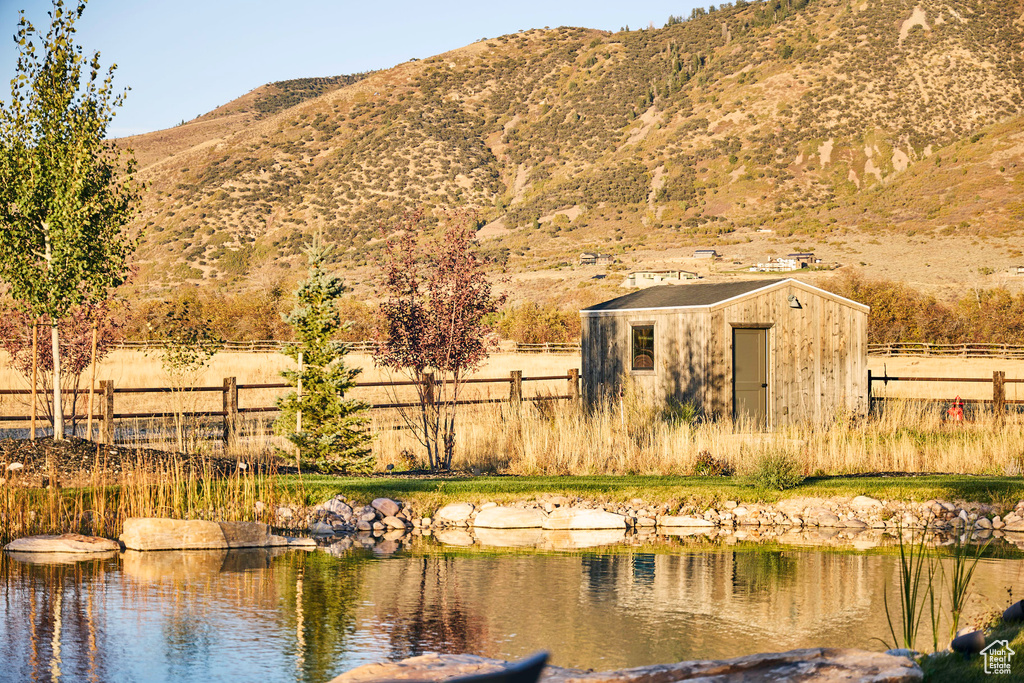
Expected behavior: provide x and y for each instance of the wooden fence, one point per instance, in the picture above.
(924, 350)
(256, 346)
(895, 349)
(233, 414)
(998, 382)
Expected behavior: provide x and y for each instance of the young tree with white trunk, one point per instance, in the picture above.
(66, 192)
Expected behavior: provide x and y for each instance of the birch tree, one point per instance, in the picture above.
(66, 193)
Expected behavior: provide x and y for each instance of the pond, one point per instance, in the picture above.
(297, 616)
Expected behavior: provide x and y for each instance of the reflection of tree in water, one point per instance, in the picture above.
(601, 571)
(762, 571)
(56, 634)
(437, 620)
(320, 593)
(644, 569)
(190, 642)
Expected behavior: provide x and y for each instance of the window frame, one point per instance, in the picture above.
(633, 327)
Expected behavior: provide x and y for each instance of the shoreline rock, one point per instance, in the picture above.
(810, 665)
(62, 543)
(555, 512)
(157, 533)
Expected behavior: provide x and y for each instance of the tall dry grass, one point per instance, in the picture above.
(631, 437)
(142, 488)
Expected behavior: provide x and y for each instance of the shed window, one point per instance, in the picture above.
(643, 347)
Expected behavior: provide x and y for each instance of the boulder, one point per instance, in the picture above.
(394, 523)
(580, 518)
(818, 664)
(338, 507)
(455, 512)
(865, 503)
(1014, 526)
(64, 543)
(246, 534)
(385, 506)
(155, 533)
(677, 521)
(510, 518)
(823, 517)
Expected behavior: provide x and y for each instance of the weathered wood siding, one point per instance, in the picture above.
(817, 354)
(679, 354)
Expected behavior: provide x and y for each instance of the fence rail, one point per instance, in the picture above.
(547, 347)
(923, 350)
(365, 346)
(231, 412)
(892, 350)
(255, 346)
(998, 382)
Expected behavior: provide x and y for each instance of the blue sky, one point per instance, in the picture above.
(183, 58)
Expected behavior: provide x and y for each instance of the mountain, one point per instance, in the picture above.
(883, 134)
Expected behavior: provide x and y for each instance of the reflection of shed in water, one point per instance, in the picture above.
(771, 351)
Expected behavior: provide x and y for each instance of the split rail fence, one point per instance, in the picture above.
(892, 350)
(925, 350)
(233, 414)
(999, 402)
(273, 346)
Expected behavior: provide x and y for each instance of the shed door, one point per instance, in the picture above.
(750, 375)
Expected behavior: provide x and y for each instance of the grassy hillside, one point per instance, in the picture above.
(876, 133)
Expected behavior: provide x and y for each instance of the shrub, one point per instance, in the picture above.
(776, 470)
(708, 465)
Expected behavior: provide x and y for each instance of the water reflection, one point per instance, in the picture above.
(289, 616)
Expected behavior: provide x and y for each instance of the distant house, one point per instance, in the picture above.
(649, 278)
(589, 258)
(779, 265)
(804, 257)
(706, 253)
(1019, 270)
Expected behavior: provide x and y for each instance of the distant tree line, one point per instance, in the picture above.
(901, 313)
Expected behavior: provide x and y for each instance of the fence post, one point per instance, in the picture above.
(230, 410)
(515, 391)
(574, 384)
(999, 394)
(869, 391)
(107, 389)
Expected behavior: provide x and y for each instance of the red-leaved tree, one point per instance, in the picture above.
(436, 296)
(75, 348)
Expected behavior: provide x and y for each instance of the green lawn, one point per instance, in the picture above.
(429, 493)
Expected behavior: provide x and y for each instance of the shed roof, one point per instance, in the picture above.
(675, 296)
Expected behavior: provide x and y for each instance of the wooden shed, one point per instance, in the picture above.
(769, 351)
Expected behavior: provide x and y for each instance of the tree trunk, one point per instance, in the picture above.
(58, 408)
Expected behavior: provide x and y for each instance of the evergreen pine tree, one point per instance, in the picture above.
(332, 437)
